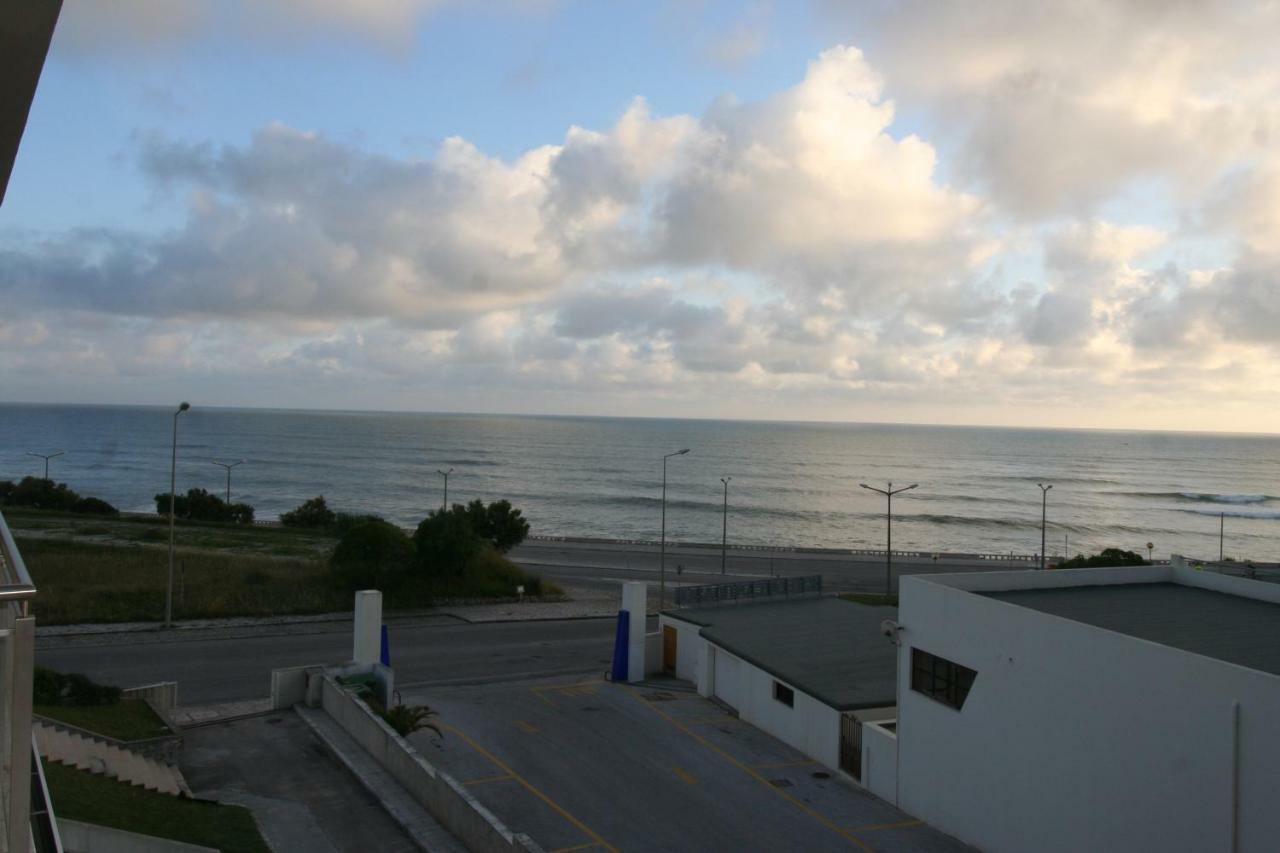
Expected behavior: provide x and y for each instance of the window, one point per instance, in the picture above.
(784, 694)
(940, 679)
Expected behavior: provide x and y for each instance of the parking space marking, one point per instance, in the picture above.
(531, 788)
(685, 776)
(579, 847)
(527, 728)
(722, 718)
(815, 814)
(482, 780)
(783, 764)
(581, 688)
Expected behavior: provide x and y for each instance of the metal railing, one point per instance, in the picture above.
(1007, 556)
(15, 582)
(754, 590)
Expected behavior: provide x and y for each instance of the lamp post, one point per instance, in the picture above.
(444, 507)
(888, 548)
(46, 457)
(1222, 532)
(662, 548)
(724, 532)
(1150, 546)
(173, 485)
(1044, 508)
(228, 466)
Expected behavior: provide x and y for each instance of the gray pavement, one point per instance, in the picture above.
(301, 798)
(585, 764)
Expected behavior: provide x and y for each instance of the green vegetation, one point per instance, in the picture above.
(90, 582)
(406, 719)
(876, 599)
(39, 493)
(201, 505)
(80, 795)
(314, 513)
(499, 524)
(128, 719)
(372, 554)
(1108, 557)
(50, 688)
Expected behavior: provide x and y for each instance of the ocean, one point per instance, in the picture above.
(793, 484)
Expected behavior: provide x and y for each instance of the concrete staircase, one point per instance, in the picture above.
(111, 759)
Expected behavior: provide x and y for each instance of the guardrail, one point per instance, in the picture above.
(792, 549)
(753, 590)
(17, 657)
(15, 582)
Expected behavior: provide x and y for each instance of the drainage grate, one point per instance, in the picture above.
(780, 783)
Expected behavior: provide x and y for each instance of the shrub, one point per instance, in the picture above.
(1108, 557)
(94, 506)
(39, 493)
(372, 554)
(446, 541)
(312, 513)
(500, 524)
(407, 719)
(54, 688)
(200, 505)
(344, 521)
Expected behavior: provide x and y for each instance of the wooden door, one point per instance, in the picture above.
(669, 649)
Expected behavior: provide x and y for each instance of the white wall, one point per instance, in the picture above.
(880, 762)
(1076, 738)
(690, 655)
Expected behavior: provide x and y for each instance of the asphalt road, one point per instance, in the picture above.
(216, 665)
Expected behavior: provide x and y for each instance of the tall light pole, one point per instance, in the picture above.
(1222, 532)
(444, 507)
(46, 457)
(228, 466)
(1044, 509)
(724, 532)
(173, 485)
(662, 548)
(888, 548)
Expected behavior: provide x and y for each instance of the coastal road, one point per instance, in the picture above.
(605, 564)
(217, 665)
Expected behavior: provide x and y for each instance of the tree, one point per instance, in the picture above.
(311, 513)
(499, 524)
(446, 541)
(94, 506)
(39, 493)
(200, 505)
(372, 554)
(1108, 557)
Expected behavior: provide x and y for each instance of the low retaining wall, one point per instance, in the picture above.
(438, 792)
(161, 696)
(80, 837)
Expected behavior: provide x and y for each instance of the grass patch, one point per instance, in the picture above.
(128, 719)
(876, 599)
(79, 795)
(488, 575)
(94, 582)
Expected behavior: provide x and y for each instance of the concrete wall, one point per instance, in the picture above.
(289, 685)
(436, 790)
(162, 696)
(880, 761)
(689, 643)
(653, 653)
(79, 837)
(1076, 738)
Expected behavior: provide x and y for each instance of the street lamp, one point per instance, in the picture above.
(1044, 508)
(173, 485)
(662, 548)
(888, 548)
(228, 466)
(444, 507)
(46, 457)
(724, 534)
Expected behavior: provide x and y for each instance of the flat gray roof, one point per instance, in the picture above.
(828, 648)
(1227, 627)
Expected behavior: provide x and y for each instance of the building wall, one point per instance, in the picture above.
(1077, 738)
(880, 762)
(688, 645)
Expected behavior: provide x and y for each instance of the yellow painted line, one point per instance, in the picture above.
(578, 847)
(530, 787)
(527, 728)
(485, 779)
(724, 718)
(685, 776)
(785, 764)
(901, 825)
(813, 813)
(564, 686)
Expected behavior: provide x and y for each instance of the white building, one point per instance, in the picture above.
(1126, 709)
(808, 671)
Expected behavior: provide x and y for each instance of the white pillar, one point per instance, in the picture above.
(367, 647)
(635, 600)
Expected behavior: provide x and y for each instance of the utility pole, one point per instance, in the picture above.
(724, 534)
(1222, 529)
(173, 486)
(444, 506)
(228, 466)
(888, 516)
(662, 547)
(1044, 507)
(46, 457)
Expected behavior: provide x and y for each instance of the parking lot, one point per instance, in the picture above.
(586, 765)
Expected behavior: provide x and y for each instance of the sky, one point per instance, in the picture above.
(1051, 214)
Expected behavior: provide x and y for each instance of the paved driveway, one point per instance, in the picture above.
(589, 765)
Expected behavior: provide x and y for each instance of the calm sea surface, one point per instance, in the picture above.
(793, 484)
